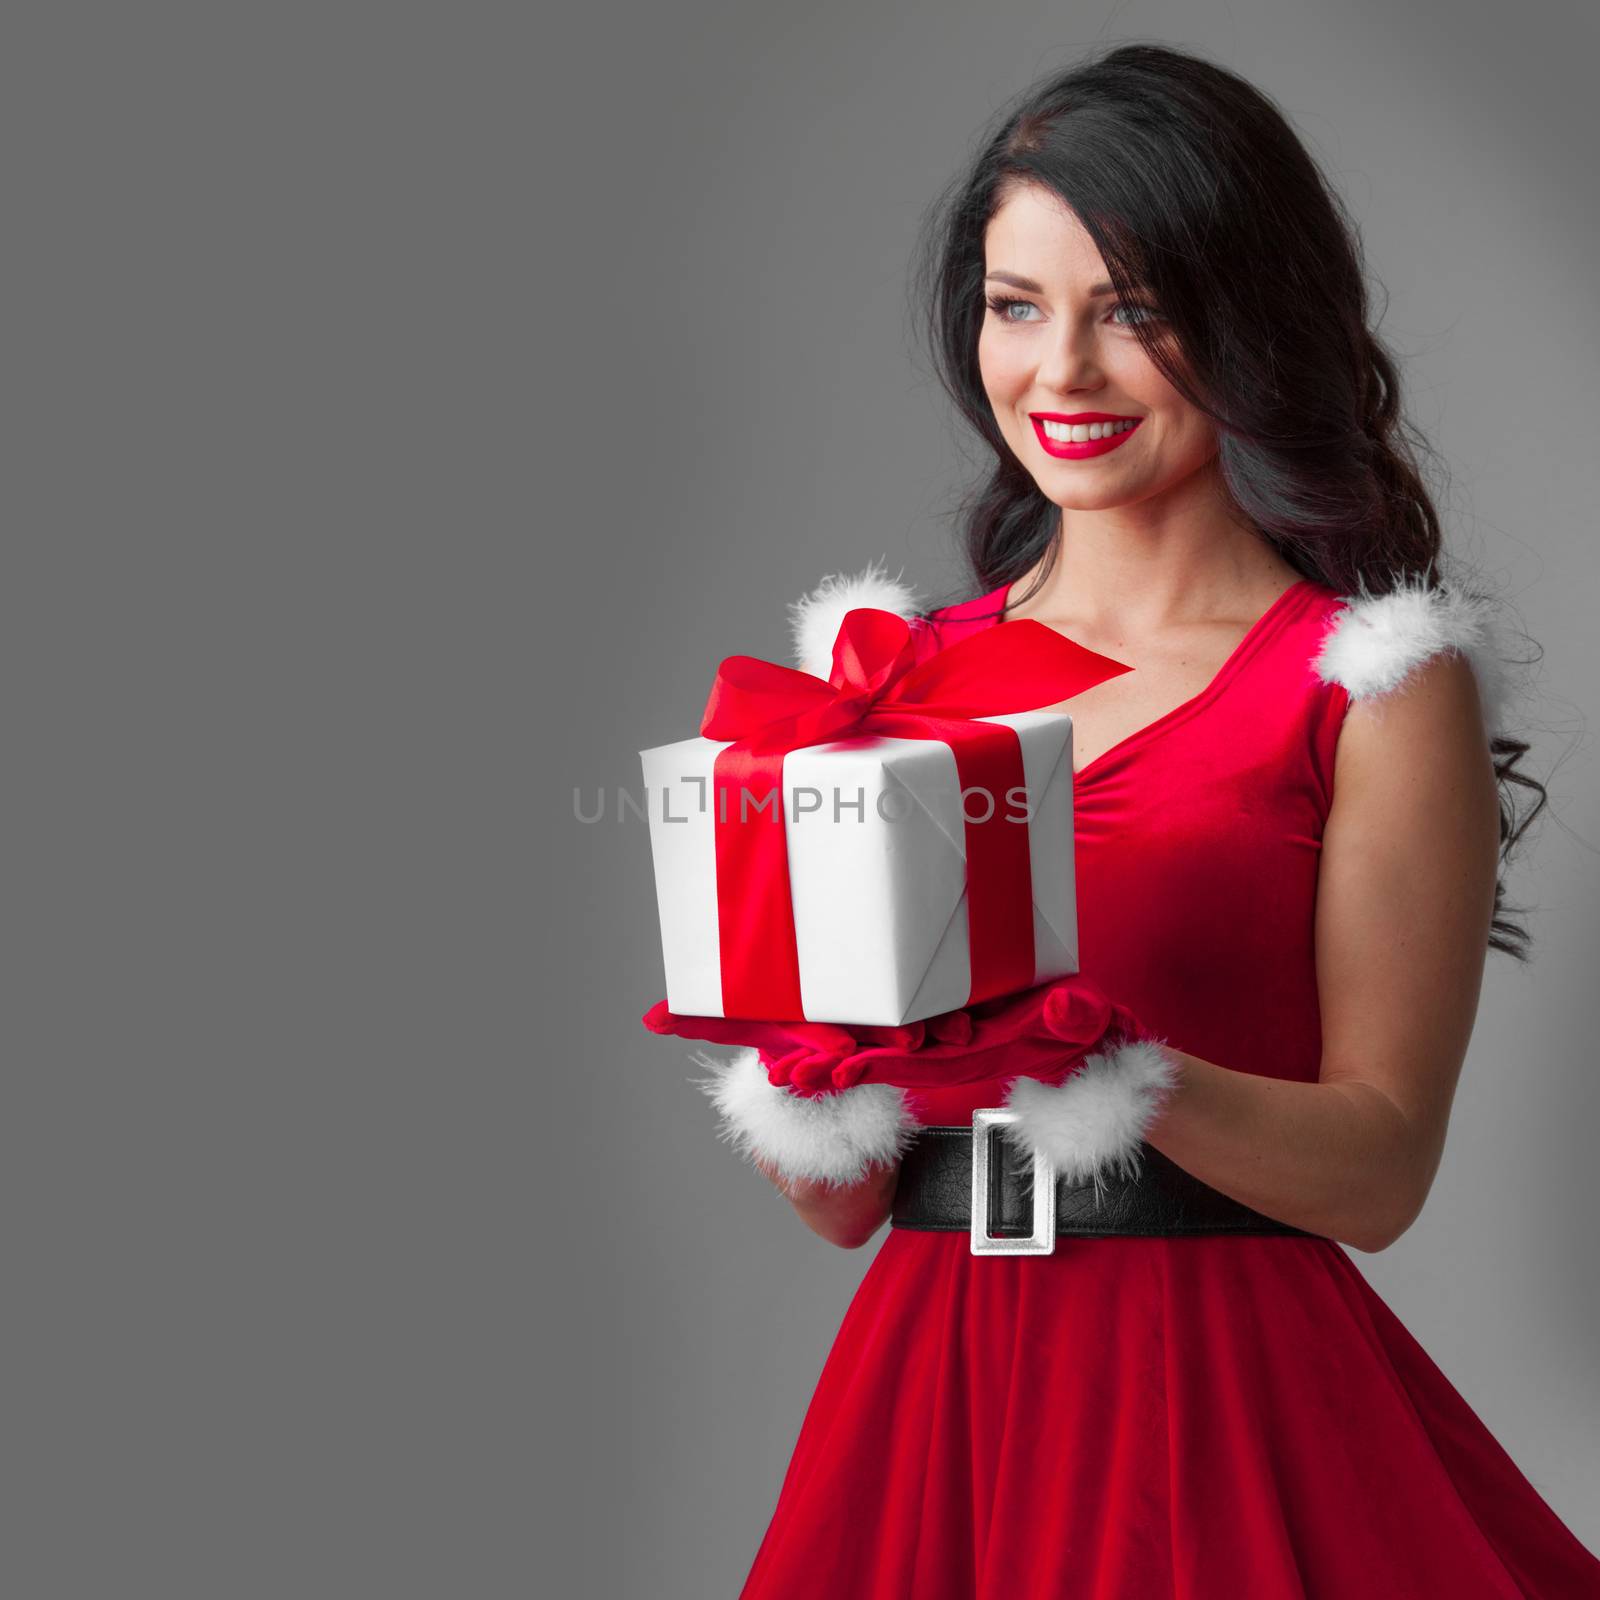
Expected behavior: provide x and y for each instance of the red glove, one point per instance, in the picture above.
(1040, 1033)
(802, 1055)
(1043, 1032)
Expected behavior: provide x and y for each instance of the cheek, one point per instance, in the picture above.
(1001, 364)
(1134, 374)
(1189, 431)
(1193, 433)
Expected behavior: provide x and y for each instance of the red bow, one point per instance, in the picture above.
(1017, 666)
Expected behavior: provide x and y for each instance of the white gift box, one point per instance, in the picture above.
(875, 838)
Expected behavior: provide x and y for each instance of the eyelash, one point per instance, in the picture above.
(999, 303)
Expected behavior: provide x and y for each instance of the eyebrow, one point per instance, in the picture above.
(1037, 288)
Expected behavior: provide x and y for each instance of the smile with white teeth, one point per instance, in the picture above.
(1082, 432)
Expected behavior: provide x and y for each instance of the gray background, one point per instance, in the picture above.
(407, 409)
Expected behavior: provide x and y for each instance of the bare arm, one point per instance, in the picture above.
(1404, 899)
(847, 1217)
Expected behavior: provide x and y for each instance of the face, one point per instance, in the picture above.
(1059, 356)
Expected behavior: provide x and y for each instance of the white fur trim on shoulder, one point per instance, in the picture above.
(831, 1139)
(1374, 643)
(814, 618)
(1093, 1123)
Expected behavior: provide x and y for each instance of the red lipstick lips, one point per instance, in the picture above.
(1089, 447)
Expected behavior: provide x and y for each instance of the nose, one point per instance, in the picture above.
(1068, 364)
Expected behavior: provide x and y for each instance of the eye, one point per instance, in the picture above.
(1140, 313)
(1001, 305)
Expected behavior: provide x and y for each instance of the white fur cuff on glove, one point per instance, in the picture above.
(831, 1139)
(1093, 1123)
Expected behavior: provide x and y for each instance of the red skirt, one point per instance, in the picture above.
(1216, 1417)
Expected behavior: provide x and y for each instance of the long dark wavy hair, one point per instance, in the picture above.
(1191, 181)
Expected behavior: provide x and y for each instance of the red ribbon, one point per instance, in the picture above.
(878, 688)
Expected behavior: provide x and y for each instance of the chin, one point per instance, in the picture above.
(1104, 497)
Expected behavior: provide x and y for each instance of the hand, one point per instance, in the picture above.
(802, 1056)
(1045, 1032)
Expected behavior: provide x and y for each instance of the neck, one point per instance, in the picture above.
(1183, 555)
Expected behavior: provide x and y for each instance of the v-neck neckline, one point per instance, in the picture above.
(1245, 648)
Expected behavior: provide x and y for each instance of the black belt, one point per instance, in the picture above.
(939, 1179)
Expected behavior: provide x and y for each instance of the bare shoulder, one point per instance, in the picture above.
(1434, 719)
(1414, 786)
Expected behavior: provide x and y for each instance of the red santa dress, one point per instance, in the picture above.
(1211, 1417)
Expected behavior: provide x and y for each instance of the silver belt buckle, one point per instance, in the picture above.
(1042, 1241)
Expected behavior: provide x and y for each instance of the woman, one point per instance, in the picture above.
(1289, 823)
